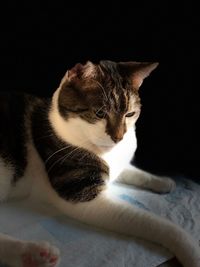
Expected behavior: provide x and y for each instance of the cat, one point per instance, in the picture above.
(66, 151)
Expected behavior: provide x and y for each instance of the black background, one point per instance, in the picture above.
(39, 42)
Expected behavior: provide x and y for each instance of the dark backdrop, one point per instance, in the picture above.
(39, 42)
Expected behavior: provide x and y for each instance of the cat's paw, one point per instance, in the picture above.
(163, 185)
(40, 254)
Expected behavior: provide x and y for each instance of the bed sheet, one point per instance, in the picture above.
(85, 246)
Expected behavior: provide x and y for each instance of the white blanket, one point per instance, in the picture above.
(83, 246)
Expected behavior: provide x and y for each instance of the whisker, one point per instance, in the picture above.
(70, 153)
(63, 158)
(55, 163)
(56, 153)
(45, 136)
(84, 155)
(74, 150)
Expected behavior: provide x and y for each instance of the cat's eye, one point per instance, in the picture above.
(130, 114)
(100, 114)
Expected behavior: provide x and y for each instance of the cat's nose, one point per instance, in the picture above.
(117, 138)
(117, 130)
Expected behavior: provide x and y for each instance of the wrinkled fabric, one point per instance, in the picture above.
(85, 246)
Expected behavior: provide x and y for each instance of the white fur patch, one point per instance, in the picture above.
(120, 156)
(14, 252)
(24, 185)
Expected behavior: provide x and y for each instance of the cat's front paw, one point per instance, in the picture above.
(163, 185)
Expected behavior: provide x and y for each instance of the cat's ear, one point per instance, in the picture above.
(80, 71)
(137, 71)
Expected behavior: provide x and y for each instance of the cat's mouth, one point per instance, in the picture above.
(106, 147)
(103, 147)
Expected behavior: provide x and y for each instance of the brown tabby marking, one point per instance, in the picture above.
(105, 95)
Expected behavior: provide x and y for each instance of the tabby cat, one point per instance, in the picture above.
(65, 151)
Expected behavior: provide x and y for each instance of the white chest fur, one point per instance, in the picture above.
(120, 156)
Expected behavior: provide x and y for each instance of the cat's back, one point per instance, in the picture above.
(15, 108)
(12, 148)
(12, 110)
(15, 113)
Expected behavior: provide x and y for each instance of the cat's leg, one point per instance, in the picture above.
(109, 213)
(135, 176)
(17, 253)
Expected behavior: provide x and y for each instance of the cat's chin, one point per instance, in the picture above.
(104, 149)
(100, 149)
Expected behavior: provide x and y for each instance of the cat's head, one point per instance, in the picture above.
(96, 104)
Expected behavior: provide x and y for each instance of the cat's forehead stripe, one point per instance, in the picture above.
(118, 95)
(122, 99)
